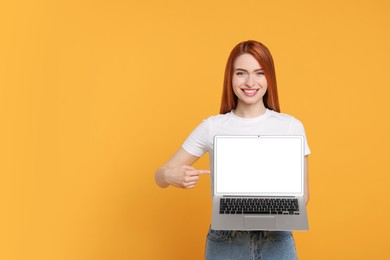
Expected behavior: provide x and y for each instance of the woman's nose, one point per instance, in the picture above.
(249, 81)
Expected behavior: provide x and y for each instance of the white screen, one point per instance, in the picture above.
(265, 165)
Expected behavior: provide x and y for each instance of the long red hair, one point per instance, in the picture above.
(261, 53)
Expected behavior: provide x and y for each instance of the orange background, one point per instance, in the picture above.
(95, 95)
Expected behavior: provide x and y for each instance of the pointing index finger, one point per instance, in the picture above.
(203, 171)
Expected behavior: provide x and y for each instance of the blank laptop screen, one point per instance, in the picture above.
(264, 165)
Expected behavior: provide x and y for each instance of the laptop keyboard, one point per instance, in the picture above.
(266, 206)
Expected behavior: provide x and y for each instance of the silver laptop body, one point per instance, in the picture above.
(259, 183)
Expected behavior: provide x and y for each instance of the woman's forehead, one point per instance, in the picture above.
(246, 61)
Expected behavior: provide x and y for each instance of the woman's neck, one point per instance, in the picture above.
(249, 111)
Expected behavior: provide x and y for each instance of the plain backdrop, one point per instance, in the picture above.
(95, 95)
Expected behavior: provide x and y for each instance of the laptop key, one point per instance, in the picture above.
(257, 212)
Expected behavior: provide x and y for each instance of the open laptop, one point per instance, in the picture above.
(259, 183)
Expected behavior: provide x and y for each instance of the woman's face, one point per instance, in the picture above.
(249, 82)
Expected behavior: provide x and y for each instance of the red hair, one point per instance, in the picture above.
(264, 58)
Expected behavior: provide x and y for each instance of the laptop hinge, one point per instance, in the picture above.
(257, 196)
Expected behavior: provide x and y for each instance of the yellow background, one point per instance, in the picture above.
(95, 95)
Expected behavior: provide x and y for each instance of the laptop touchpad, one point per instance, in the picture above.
(259, 222)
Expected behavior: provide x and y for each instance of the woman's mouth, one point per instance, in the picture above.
(249, 92)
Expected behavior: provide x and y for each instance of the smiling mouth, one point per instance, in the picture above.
(250, 92)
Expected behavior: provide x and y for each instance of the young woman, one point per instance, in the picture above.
(250, 106)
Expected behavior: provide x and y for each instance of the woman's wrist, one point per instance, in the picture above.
(162, 177)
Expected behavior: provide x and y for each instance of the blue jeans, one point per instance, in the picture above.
(249, 245)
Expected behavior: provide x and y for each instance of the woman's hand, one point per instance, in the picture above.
(184, 176)
(178, 173)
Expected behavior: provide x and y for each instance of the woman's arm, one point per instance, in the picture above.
(307, 194)
(178, 171)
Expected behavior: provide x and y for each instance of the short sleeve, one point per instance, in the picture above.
(299, 129)
(196, 142)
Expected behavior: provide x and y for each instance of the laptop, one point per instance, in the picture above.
(259, 183)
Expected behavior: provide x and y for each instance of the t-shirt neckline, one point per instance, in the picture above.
(258, 118)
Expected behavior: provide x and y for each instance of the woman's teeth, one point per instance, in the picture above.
(250, 91)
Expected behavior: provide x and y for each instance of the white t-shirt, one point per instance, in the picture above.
(201, 139)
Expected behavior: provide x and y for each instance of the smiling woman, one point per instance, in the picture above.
(249, 106)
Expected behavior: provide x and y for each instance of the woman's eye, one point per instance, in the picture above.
(260, 73)
(240, 73)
